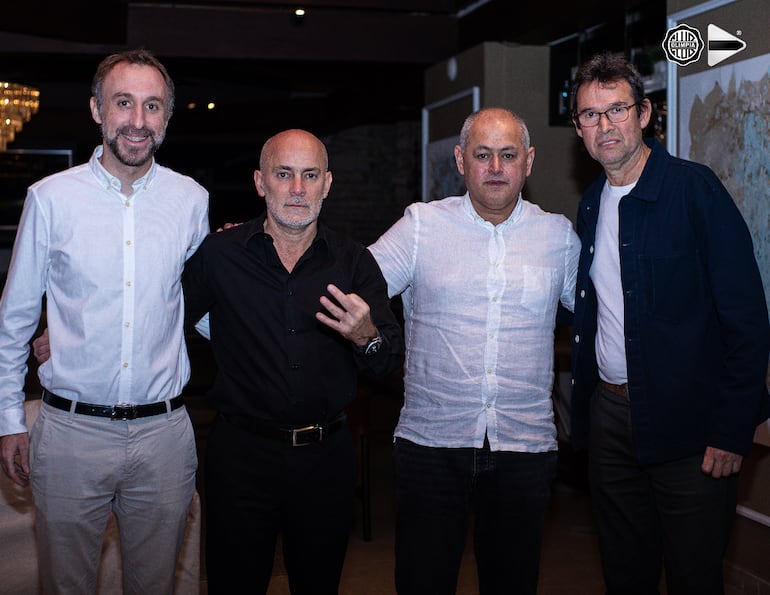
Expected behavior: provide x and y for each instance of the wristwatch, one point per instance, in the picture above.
(372, 345)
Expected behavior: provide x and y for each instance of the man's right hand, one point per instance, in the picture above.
(41, 347)
(14, 457)
(229, 225)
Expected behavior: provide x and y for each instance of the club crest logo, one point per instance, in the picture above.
(683, 44)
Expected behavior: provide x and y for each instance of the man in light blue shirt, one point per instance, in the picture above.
(481, 277)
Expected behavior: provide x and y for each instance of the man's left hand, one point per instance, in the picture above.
(41, 347)
(720, 463)
(350, 316)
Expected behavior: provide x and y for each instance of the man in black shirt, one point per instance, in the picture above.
(296, 310)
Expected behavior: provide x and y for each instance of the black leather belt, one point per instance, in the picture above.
(301, 436)
(116, 412)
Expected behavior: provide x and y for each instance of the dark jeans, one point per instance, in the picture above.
(437, 490)
(259, 487)
(649, 516)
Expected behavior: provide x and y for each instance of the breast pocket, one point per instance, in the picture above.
(675, 285)
(539, 291)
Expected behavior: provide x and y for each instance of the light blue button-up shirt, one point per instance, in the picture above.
(110, 266)
(480, 305)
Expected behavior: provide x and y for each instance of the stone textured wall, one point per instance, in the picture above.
(376, 171)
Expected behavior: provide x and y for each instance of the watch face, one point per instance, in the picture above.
(373, 346)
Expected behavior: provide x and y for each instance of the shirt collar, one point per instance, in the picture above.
(512, 218)
(111, 181)
(649, 185)
(256, 227)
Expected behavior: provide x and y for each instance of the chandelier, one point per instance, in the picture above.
(18, 103)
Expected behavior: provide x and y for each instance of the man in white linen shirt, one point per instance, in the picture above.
(481, 277)
(106, 243)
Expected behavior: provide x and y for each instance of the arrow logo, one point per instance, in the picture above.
(722, 45)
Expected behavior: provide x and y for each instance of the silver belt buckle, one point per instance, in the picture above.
(295, 433)
(123, 411)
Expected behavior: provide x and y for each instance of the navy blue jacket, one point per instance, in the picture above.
(696, 321)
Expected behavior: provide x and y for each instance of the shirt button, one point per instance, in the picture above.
(128, 283)
(295, 366)
(128, 242)
(582, 293)
(489, 405)
(591, 249)
(577, 338)
(125, 364)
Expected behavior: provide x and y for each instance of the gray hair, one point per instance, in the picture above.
(470, 120)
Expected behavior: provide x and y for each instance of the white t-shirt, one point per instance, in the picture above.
(605, 274)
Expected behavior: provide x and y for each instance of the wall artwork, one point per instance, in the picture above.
(725, 124)
(442, 177)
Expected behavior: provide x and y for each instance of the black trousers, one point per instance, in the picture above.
(649, 517)
(258, 487)
(438, 490)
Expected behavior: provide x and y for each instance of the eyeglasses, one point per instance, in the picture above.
(616, 114)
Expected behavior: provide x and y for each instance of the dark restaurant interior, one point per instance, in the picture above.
(358, 74)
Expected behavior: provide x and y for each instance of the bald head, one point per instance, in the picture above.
(294, 140)
(491, 114)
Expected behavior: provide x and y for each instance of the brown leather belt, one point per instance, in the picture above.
(616, 389)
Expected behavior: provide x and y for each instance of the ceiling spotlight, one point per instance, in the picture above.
(299, 12)
(211, 105)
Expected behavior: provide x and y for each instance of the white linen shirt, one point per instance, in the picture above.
(110, 266)
(480, 306)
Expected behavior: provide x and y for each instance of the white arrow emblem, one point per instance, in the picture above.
(722, 45)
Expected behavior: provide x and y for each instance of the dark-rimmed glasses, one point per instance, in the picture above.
(616, 114)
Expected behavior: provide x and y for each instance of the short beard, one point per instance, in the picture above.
(132, 157)
(297, 224)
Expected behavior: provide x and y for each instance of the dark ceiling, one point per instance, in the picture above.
(344, 63)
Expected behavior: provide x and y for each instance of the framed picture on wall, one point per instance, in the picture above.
(441, 173)
(440, 177)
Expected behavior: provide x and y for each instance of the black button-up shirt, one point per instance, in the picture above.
(275, 361)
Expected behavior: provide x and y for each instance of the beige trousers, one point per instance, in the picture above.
(85, 467)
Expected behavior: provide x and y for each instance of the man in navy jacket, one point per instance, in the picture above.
(670, 346)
